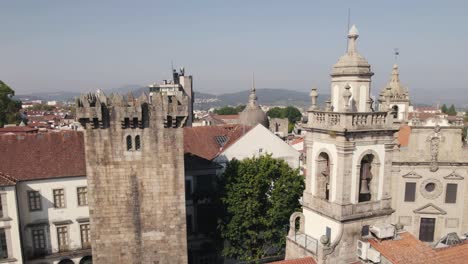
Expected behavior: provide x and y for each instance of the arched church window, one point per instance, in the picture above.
(365, 177)
(129, 143)
(323, 176)
(137, 143)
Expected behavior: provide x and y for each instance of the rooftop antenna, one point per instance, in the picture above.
(396, 53)
(347, 30)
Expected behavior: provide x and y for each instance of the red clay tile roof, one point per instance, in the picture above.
(40, 156)
(18, 129)
(296, 141)
(409, 250)
(201, 141)
(6, 180)
(424, 116)
(226, 116)
(306, 260)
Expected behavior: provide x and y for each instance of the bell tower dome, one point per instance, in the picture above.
(352, 70)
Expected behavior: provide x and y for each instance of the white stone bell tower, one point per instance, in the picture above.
(349, 157)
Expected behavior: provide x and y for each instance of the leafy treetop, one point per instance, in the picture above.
(9, 108)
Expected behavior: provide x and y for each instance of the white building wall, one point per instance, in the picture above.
(51, 215)
(10, 223)
(260, 141)
(316, 225)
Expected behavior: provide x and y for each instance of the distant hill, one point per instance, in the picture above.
(271, 97)
(203, 101)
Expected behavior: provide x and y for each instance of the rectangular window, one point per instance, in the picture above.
(3, 245)
(328, 233)
(451, 193)
(410, 192)
(1, 206)
(85, 237)
(82, 193)
(34, 198)
(59, 198)
(62, 238)
(38, 238)
(188, 190)
(189, 224)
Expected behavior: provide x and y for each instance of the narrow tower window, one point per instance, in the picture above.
(129, 143)
(137, 143)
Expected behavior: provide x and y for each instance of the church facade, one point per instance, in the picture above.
(368, 172)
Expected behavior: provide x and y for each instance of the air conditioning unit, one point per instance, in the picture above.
(373, 255)
(382, 231)
(362, 248)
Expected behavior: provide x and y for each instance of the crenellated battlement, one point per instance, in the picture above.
(98, 111)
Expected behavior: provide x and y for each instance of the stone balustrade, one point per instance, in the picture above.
(346, 121)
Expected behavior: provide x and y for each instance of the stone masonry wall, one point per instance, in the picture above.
(137, 196)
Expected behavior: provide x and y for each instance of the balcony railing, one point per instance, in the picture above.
(341, 121)
(305, 241)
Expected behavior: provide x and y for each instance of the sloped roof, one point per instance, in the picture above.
(306, 260)
(40, 156)
(17, 129)
(202, 141)
(6, 180)
(410, 250)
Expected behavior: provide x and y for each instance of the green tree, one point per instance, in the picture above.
(228, 110)
(444, 108)
(259, 195)
(451, 111)
(9, 108)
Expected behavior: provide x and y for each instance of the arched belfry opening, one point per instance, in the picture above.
(368, 178)
(395, 111)
(323, 176)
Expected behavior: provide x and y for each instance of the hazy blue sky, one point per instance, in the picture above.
(86, 45)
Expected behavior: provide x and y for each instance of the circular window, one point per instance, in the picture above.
(430, 187)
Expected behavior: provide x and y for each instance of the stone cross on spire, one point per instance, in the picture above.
(353, 34)
(253, 95)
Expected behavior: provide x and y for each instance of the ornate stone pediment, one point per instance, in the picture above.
(412, 175)
(454, 176)
(430, 209)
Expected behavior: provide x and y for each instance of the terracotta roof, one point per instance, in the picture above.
(424, 116)
(40, 156)
(18, 129)
(404, 135)
(306, 260)
(410, 250)
(296, 141)
(6, 180)
(226, 116)
(202, 141)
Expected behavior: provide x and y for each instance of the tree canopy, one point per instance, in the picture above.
(258, 195)
(444, 108)
(452, 111)
(42, 107)
(228, 110)
(9, 108)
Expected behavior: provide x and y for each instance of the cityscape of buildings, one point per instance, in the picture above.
(136, 178)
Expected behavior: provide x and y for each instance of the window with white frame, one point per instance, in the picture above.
(82, 193)
(59, 198)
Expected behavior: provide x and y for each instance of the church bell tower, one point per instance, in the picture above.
(349, 155)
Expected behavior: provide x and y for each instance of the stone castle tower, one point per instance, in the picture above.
(349, 157)
(135, 171)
